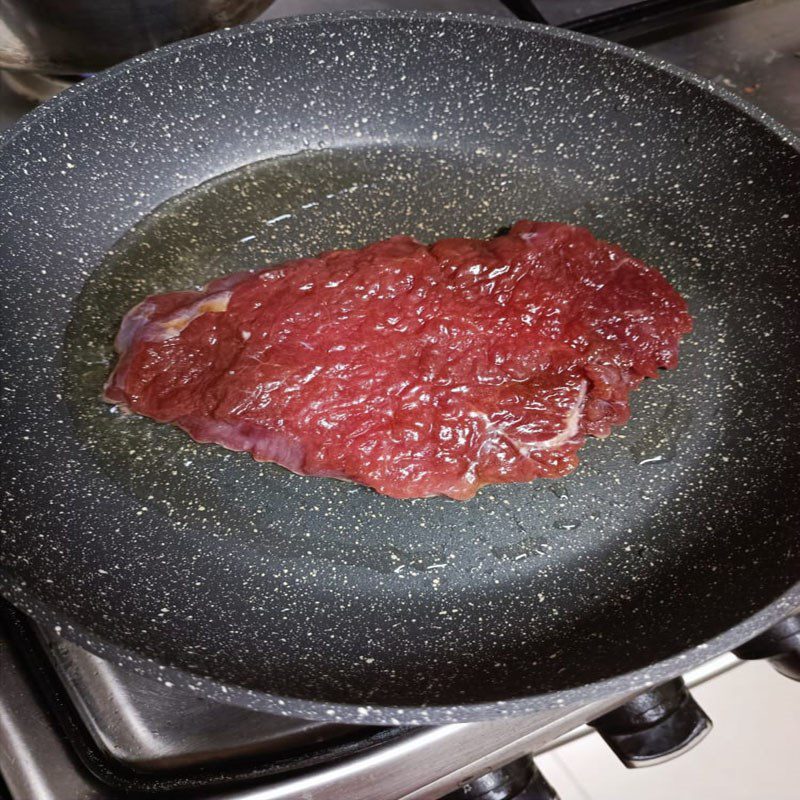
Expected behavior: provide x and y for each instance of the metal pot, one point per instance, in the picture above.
(74, 37)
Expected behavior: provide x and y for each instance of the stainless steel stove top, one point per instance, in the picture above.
(145, 725)
(74, 727)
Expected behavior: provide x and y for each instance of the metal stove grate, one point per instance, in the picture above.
(621, 20)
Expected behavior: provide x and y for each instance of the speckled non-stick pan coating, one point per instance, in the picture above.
(675, 539)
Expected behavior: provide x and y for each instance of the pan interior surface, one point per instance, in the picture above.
(678, 526)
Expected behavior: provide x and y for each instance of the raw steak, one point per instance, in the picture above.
(416, 370)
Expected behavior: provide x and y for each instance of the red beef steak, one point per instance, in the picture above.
(415, 369)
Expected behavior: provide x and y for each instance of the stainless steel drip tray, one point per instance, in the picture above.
(151, 726)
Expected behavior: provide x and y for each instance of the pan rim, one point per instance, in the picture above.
(626, 682)
(25, 597)
(785, 133)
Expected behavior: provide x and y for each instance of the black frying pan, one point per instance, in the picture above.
(676, 538)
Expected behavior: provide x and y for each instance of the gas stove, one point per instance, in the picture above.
(76, 727)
